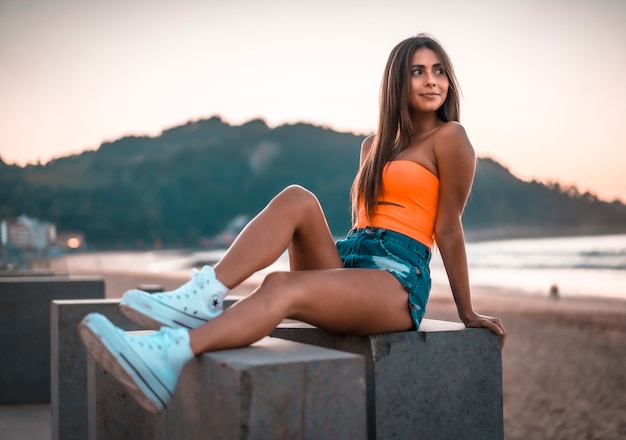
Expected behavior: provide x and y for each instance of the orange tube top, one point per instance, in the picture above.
(408, 202)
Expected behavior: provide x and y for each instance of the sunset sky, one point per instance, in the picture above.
(542, 80)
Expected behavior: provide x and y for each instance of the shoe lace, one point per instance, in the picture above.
(197, 282)
(198, 277)
(157, 340)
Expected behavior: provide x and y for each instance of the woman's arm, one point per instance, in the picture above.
(456, 165)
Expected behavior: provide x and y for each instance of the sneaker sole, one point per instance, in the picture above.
(143, 309)
(114, 355)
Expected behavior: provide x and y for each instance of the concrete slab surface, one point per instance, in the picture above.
(25, 422)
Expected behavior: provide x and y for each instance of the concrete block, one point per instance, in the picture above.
(68, 363)
(273, 389)
(25, 332)
(424, 384)
(69, 370)
(125, 419)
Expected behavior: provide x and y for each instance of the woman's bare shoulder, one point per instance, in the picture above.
(452, 137)
(453, 130)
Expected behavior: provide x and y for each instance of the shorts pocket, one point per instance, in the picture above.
(416, 279)
(402, 266)
(418, 298)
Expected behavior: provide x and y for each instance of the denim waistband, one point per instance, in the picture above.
(420, 248)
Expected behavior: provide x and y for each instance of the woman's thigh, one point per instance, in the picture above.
(351, 301)
(312, 246)
(314, 252)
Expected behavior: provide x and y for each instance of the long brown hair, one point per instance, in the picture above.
(394, 121)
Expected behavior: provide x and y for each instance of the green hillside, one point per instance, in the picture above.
(190, 181)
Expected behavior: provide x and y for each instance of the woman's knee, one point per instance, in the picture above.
(300, 196)
(279, 281)
(282, 287)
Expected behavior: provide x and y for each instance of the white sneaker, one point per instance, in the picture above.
(149, 365)
(191, 305)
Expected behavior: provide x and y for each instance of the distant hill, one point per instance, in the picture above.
(193, 179)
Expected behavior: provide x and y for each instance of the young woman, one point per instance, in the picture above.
(415, 176)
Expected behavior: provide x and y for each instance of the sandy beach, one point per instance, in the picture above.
(564, 362)
(564, 374)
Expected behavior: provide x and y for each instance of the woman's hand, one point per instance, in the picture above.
(490, 322)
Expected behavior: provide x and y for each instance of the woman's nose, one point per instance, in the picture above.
(429, 79)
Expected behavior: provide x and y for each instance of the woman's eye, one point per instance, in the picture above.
(416, 72)
(439, 72)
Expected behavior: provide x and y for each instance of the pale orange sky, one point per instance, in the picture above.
(542, 81)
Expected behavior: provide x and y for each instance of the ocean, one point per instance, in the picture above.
(585, 266)
(592, 266)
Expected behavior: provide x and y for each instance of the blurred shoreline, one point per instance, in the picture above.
(585, 266)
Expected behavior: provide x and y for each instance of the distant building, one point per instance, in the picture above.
(27, 233)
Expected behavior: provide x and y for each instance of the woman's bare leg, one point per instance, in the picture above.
(292, 220)
(353, 301)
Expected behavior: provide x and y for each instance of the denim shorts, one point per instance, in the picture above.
(405, 258)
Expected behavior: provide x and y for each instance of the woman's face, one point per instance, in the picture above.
(429, 81)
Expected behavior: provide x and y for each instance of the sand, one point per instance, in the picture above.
(564, 362)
